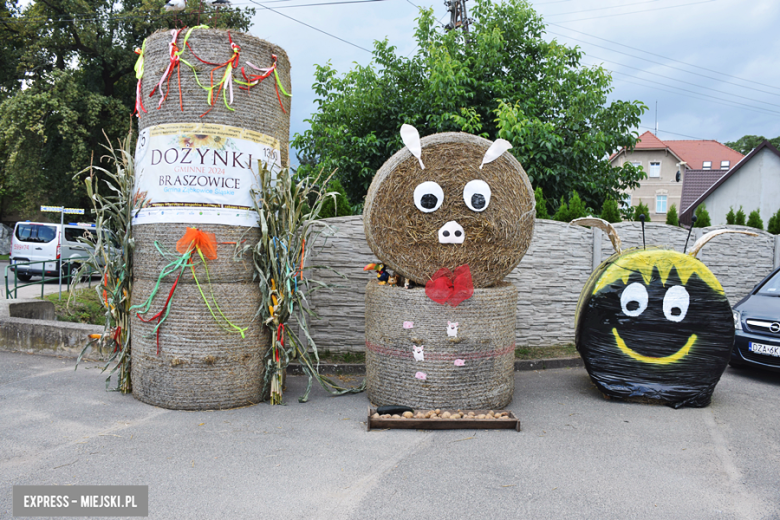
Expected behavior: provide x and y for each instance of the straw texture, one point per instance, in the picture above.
(407, 239)
(485, 343)
(200, 366)
(148, 262)
(257, 109)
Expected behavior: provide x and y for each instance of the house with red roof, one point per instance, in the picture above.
(753, 183)
(667, 165)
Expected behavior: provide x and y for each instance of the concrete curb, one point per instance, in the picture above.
(358, 369)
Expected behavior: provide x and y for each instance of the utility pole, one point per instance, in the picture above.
(458, 17)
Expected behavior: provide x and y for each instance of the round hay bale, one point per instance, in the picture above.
(200, 366)
(655, 324)
(257, 109)
(474, 368)
(148, 262)
(406, 239)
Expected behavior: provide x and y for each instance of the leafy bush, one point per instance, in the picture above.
(574, 209)
(671, 216)
(731, 218)
(773, 226)
(754, 220)
(702, 217)
(541, 204)
(641, 209)
(341, 208)
(739, 219)
(610, 211)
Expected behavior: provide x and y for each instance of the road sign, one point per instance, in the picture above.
(60, 209)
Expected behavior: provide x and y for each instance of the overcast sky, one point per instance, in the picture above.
(710, 65)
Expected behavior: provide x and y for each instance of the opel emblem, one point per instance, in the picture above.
(775, 327)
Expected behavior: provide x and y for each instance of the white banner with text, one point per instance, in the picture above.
(198, 173)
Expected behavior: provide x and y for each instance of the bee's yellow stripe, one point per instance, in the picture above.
(673, 358)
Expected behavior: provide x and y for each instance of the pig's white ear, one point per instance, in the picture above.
(494, 152)
(411, 138)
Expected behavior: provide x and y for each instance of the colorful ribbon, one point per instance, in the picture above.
(139, 74)
(173, 63)
(227, 77)
(251, 81)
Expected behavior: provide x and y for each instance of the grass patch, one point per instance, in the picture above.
(84, 307)
(5, 257)
(556, 351)
(342, 357)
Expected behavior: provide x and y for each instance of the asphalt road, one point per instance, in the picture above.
(578, 456)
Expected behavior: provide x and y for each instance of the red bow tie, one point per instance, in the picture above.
(450, 288)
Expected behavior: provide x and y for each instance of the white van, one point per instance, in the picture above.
(37, 241)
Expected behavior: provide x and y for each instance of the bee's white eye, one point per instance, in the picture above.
(428, 196)
(476, 195)
(676, 301)
(634, 299)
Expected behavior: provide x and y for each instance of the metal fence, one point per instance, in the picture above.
(65, 274)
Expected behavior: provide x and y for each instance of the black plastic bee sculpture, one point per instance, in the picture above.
(654, 323)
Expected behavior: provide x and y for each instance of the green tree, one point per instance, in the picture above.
(731, 218)
(341, 208)
(641, 209)
(77, 62)
(671, 216)
(739, 218)
(773, 225)
(575, 208)
(746, 143)
(610, 211)
(754, 220)
(506, 82)
(702, 217)
(541, 204)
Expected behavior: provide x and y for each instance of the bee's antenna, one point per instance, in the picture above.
(693, 221)
(642, 219)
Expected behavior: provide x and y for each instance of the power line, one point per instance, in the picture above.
(674, 133)
(663, 64)
(686, 82)
(311, 27)
(158, 15)
(664, 57)
(696, 95)
(604, 8)
(642, 11)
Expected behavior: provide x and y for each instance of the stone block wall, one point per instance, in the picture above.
(549, 278)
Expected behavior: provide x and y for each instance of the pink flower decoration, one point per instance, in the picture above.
(408, 324)
(421, 376)
(459, 362)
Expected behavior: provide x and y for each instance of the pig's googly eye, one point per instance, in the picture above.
(428, 197)
(476, 194)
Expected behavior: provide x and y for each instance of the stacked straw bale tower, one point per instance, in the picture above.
(195, 161)
(445, 201)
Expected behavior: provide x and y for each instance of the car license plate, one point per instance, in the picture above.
(767, 350)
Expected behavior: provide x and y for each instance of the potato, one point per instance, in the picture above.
(385, 416)
(375, 416)
(438, 411)
(408, 415)
(481, 416)
(420, 415)
(446, 415)
(396, 416)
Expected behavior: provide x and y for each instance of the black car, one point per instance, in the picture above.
(757, 326)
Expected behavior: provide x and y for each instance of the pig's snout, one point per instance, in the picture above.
(451, 233)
